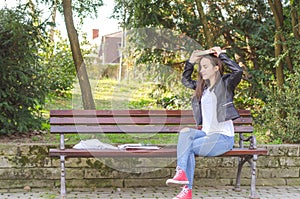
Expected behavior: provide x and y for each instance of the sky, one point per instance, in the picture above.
(103, 22)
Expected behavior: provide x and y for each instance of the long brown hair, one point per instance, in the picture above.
(201, 83)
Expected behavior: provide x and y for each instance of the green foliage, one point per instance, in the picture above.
(280, 116)
(23, 84)
(61, 73)
(82, 8)
(176, 98)
(244, 100)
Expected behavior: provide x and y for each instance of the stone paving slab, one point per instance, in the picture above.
(265, 192)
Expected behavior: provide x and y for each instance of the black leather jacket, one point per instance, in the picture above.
(223, 89)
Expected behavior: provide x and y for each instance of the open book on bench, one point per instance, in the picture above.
(137, 147)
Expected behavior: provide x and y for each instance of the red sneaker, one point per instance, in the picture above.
(179, 178)
(185, 193)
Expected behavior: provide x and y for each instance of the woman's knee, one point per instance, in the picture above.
(185, 130)
(184, 134)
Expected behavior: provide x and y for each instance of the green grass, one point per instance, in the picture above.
(154, 139)
(110, 94)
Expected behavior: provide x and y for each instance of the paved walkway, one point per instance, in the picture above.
(284, 192)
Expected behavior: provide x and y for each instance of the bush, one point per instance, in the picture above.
(23, 84)
(281, 115)
(61, 68)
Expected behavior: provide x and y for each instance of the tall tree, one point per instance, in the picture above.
(280, 41)
(206, 30)
(82, 9)
(87, 97)
(295, 14)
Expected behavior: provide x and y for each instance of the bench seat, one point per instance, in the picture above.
(164, 152)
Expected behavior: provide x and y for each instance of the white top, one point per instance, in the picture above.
(210, 123)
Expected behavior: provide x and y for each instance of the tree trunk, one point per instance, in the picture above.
(276, 8)
(87, 97)
(287, 57)
(237, 55)
(279, 66)
(52, 30)
(207, 32)
(295, 14)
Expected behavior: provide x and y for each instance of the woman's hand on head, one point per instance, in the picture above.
(194, 57)
(216, 51)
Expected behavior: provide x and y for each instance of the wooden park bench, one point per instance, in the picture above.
(144, 121)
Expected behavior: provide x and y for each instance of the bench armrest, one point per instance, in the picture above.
(251, 139)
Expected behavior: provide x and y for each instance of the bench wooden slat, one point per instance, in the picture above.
(164, 152)
(114, 129)
(245, 152)
(131, 120)
(136, 113)
(122, 120)
(130, 129)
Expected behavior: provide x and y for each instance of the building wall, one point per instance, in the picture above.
(111, 49)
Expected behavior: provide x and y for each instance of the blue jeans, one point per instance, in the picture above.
(193, 142)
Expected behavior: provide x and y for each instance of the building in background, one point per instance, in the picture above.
(110, 48)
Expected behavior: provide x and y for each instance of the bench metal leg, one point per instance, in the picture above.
(241, 161)
(252, 161)
(63, 193)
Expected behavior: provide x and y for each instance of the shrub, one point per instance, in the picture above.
(22, 80)
(61, 68)
(280, 117)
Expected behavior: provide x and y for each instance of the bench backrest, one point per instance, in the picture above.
(132, 121)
